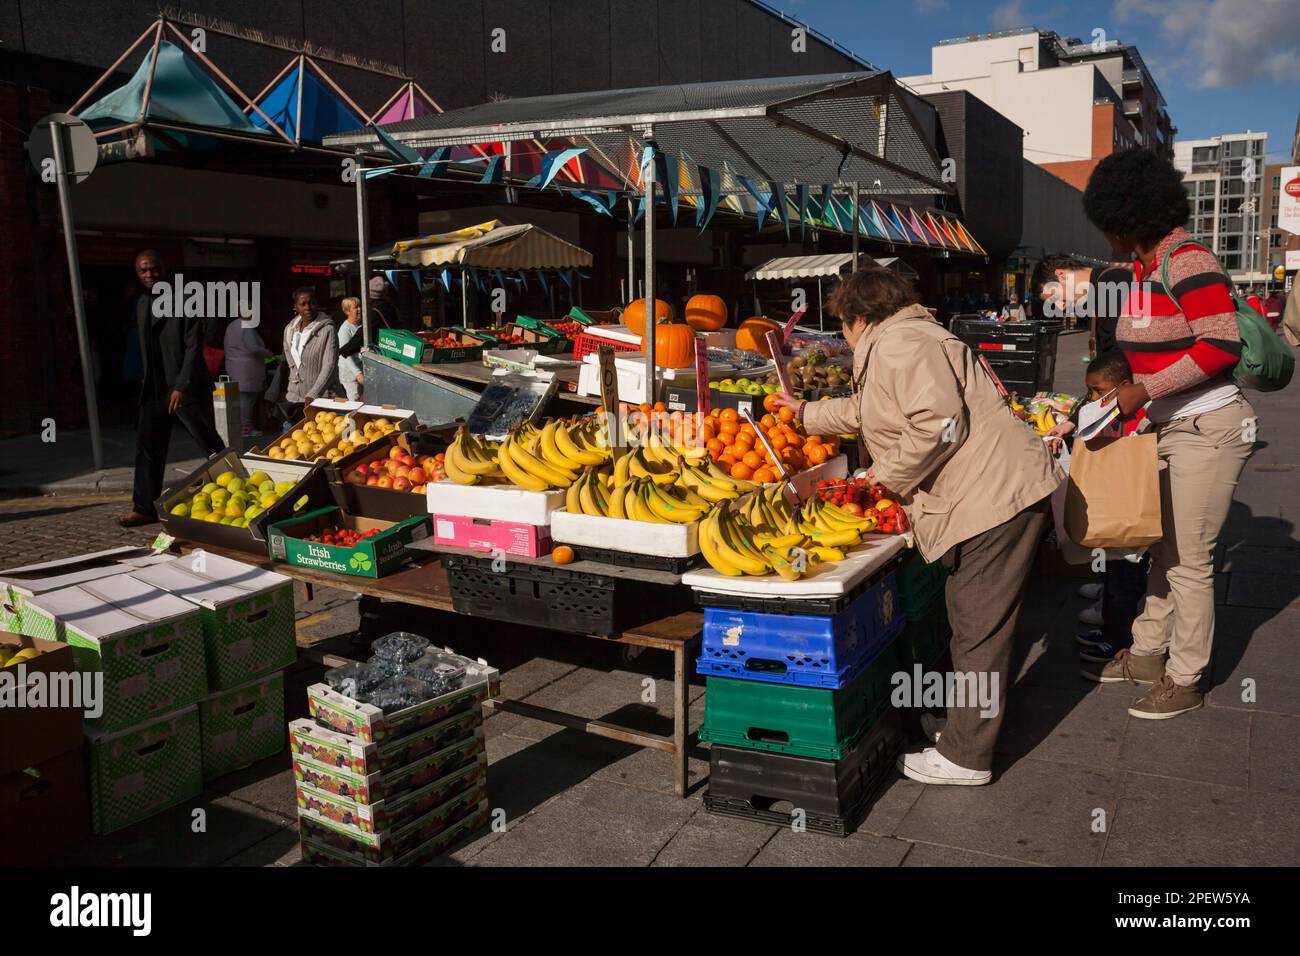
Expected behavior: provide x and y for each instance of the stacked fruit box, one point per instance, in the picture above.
(797, 703)
(399, 781)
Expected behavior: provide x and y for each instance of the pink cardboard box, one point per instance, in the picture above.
(485, 534)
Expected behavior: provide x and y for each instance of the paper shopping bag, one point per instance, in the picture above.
(1113, 499)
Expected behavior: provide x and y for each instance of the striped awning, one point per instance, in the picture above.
(824, 266)
(491, 245)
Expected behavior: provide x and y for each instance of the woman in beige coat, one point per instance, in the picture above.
(974, 480)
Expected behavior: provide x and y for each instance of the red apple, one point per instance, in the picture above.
(391, 466)
(357, 477)
(418, 489)
(853, 508)
(395, 451)
(372, 480)
(402, 471)
(417, 476)
(401, 484)
(385, 482)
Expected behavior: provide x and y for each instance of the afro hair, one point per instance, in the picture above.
(1135, 194)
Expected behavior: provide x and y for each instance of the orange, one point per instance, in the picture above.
(795, 438)
(728, 427)
(813, 439)
(817, 454)
(715, 447)
(742, 471)
(778, 440)
(753, 459)
(767, 421)
(646, 408)
(660, 407)
(707, 432)
(562, 555)
(765, 475)
(729, 415)
(726, 462)
(748, 429)
(785, 415)
(770, 402)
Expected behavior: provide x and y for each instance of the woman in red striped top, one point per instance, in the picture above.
(1182, 342)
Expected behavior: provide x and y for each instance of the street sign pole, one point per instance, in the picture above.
(363, 238)
(651, 302)
(78, 302)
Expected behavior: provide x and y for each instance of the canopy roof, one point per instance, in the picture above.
(304, 102)
(808, 130)
(812, 267)
(491, 245)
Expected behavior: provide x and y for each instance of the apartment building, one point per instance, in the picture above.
(1226, 184)
(1076, 101)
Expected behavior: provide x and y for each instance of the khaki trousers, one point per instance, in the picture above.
(986, 584)
(1205, 455)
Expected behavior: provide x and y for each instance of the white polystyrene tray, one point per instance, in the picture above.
(493, 502)
(805, 482)
(632, 537)
(823, 581)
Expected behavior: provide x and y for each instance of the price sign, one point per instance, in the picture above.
(793, 321)
(782, 375)
(609, 399)
(701, 376)
(762, 440)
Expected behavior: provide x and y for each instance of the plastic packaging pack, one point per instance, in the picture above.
(443, 674)
(358, 680)
(400, 647)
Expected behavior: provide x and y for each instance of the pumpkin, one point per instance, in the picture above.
(634, 314)
(674, 345)
(752, 335)
(706, 313)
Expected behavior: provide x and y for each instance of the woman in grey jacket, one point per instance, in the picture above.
(310, 353)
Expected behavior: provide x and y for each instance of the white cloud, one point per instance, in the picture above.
(1009, 14)
(1226, 43)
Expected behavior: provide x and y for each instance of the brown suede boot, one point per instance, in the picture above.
(1166, 700)
(1127, 666)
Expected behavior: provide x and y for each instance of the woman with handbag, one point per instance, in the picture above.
(974, 481)
(1179, 331)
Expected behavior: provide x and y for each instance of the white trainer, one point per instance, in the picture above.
(930, 766)
(1091, 615)
(1090, 592)
(932, 726)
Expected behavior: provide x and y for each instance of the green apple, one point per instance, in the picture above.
(210, 487)
(729, 387)
(769, 389)
(236, 484)
(743, 382)
(266, 487)
(181, 510)
(753, 388)
(725, 382)
(283, 487)
(228, 519)
(212, 517)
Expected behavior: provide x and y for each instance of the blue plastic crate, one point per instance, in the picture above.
(802, 649)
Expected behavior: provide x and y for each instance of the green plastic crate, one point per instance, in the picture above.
(921, 586)
(789, 719)
(143, 770)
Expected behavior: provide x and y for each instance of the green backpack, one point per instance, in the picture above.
(1267, 361)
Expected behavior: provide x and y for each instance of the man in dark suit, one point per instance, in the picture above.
(176, 387)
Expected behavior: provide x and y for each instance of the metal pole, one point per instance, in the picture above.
(631, 251)
(464, 299)
(363, 240)
(78, 306)
(857, 212)
(821, 313)
(648, 342)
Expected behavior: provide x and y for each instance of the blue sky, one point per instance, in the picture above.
(1224, 66)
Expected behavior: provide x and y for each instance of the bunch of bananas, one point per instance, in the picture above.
(597, 493)
(531, 458)
(1044, 421)
(765, 534)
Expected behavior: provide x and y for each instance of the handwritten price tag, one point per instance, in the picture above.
(782, 376)
(794, 320)
(701, 376)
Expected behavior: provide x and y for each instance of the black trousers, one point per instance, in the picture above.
(1124, 585)
(153, 435)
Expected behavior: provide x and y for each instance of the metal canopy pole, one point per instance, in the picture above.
(631, 251)
(648, 340)
(464, 299)
(821, 314)
(363, 240)
(857, 212)
(78, 305)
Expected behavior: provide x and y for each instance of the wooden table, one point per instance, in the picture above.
(424, 584)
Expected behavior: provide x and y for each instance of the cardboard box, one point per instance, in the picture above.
(385, 847)
(310, 490)
(332, 748)
(371, 557)
(368, 723)
(45, 808)
(147, 643)
(316, 853)
(412, 349)
(494, 502)
(32, 735)
(484, 534)
(344, 411)
(247, 614)
(242, 726)
(371, 501)
(145, 769)
(394, 812)
(371, 788)
(21, 583)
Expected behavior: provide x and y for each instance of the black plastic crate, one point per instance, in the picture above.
(555, 598)
(1021, 354)
(626, 559)
(834, 795)
(828, 606)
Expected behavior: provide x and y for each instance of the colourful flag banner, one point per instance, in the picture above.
(405, 153)
(711, 184)
(437, 158)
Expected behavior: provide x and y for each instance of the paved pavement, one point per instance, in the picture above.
(33, 465)
(1079, 782)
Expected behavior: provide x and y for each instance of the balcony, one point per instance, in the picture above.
(1132, 107)
(1132, 78)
